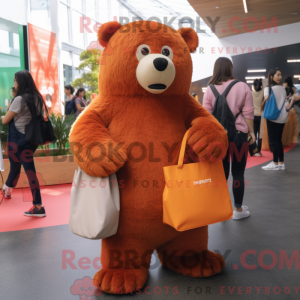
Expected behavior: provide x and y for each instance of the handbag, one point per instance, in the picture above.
(195, 194)
(95, 206)
(38, 131)
(271, 111)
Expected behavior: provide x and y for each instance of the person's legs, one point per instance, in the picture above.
(257, 121)
(26, 157)
(15, 169)
(280, 146)
(273, 132)
(226, 164)
(238, 169)
(239, 160)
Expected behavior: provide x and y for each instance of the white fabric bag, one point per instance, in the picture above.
(95, 206)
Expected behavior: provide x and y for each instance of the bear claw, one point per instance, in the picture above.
(120, 281)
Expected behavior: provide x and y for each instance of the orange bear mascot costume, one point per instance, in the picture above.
(140, 117)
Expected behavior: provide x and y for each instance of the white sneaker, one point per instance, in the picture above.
(281, 167)
(240, 215)
(257, 154)
(245, 207)
(271, 166)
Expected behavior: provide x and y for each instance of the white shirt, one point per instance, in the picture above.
(280, 96)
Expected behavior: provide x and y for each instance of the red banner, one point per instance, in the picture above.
(44, 65)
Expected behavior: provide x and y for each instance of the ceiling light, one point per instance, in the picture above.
(257, 71)
(296, 76)
(250, 81)
(293, 60)
(245, 6)
(255, 77)
(204, 89)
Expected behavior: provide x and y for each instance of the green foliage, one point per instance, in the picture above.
(3, 130)
(62, 127)
(89, 77)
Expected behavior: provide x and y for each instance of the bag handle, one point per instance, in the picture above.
(182, 150)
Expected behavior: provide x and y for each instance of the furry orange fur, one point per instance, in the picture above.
(145, 130)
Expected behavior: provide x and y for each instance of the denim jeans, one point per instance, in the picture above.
(21, 153)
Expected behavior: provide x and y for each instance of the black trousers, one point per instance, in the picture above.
(256, 123)
(275, 131)
(237, 153)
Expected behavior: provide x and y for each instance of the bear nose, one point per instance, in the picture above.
(160, 64)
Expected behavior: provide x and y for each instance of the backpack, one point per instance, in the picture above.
(271, 111)
(223, 113)
(71, 106)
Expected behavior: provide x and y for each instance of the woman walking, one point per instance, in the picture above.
(80, 101)
(275, 127)
(27, 99)
(240, 102)
(258, 98)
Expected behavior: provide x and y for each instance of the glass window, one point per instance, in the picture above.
(115, 10)
(40, 13)
(124, 12)
(64, 23)
(77, 62)
(67, 74)
(66, 58)
(90, 9)
(16, 41)
(78, 38)
(4, 38)
(77, 4)
(103, 12)
(92, 37)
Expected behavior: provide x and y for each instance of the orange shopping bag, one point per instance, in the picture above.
(195, 194)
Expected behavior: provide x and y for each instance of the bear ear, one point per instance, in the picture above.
(190, 37)
(106, 31)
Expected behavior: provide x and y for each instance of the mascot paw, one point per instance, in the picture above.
(205, 264)
(208, 148)
(103, 166)
(210, 263)
(120, 281)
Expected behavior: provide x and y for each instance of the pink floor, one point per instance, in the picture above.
(56, 200)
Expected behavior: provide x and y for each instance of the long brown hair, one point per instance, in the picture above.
(222, 71)
(29, 92)
(271, 83)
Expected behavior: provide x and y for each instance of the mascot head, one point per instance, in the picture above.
(145, 58)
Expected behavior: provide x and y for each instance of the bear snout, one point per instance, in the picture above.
(155, 73)
(160, 64)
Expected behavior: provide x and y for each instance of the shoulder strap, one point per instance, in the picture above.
(231, 84)
(214, 90)
(282, 105)
(240, 111)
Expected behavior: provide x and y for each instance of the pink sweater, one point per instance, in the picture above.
(238, 95)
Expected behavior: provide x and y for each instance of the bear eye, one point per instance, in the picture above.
(142, 51)
(145, 51)
(167, 51)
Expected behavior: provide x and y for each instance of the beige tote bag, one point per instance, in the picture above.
(95, 206)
